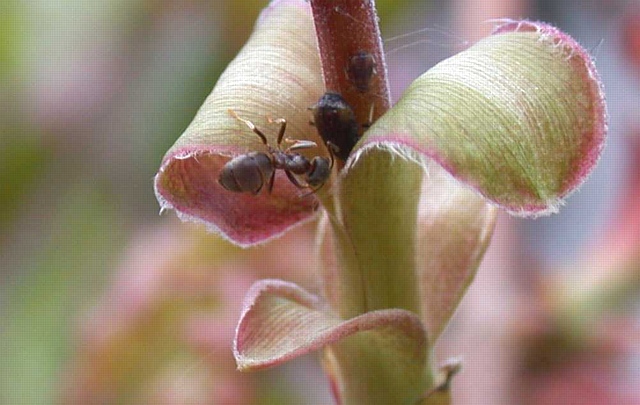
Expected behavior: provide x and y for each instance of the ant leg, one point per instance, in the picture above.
(312, 108)
(295, 181)
(283, 128)
(271, 181)
(261, 184)
(333, 149)
(313, 191)
(373, 106)
(368, 124)
(263, 181)
(251, 126)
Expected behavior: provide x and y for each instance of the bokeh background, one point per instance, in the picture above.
(103, 301)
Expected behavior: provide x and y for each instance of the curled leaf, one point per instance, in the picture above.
(454, 230)
(520, 117)
(377, 357)
(281, 321)
(260, 85)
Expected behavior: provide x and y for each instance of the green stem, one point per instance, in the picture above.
(373, 217)
(379, 230)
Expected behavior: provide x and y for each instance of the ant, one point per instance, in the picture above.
(336, 123)
(360, 70)
(251, 171)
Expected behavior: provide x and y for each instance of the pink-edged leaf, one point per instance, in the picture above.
(276, 75)
(281, 321)
(520, 117)
(454, 230)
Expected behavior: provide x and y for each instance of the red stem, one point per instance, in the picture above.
(344, 28)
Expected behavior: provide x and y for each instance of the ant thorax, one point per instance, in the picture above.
(294, 162)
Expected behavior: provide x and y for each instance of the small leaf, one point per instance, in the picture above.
(377, 357)
(454, 230)
(441, 394)
(280, 321)
(276, 75)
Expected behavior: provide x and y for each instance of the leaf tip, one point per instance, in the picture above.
(593, 141)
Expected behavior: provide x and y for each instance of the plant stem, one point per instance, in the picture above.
(345, 28)
(375, 253)
(375, 274)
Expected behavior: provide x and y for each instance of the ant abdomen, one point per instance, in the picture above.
(246, 173)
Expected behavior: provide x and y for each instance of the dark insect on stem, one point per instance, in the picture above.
(248, 173)
(336, 123)
(360, 70)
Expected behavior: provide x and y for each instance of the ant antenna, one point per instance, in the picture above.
(330, 147)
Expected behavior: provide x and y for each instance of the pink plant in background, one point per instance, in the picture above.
(163, 333)
(141, 344)
(516, 121)
(578, 336)
(631, 34)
